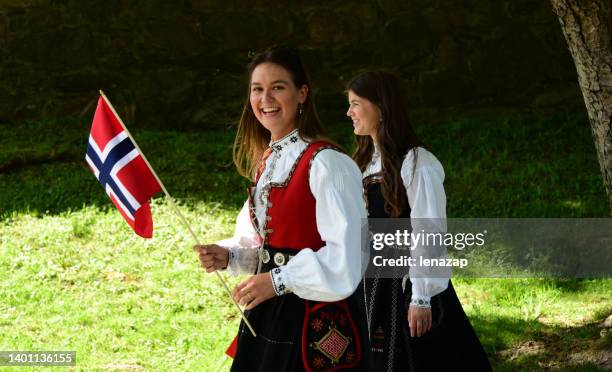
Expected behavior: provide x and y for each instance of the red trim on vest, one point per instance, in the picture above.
(292, 221)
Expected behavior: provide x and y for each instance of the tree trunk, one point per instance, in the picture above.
(587, 26)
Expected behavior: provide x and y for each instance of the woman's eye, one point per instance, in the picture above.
(256, 89)
(278, 87)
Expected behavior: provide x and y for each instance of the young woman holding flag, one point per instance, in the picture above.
(298, 233)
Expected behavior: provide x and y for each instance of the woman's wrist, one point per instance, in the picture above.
(421, 302)
(278, 282)
(231, 257)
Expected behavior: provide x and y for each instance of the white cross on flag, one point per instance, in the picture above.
(121, 169)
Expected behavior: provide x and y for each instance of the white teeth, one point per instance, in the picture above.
(268, 110)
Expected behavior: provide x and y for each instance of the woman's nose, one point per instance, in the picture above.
(267, 96)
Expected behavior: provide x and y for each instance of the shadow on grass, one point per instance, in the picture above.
(570, 285)
(517, 345)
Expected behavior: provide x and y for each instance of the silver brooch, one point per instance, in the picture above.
(279, 259)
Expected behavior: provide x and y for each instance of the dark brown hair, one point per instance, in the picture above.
(252, 138)
(395, 135)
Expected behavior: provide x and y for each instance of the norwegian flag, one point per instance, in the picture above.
(121, 169)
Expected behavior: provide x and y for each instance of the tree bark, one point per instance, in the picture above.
(587, 26)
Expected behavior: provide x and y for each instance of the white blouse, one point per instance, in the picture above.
(427, 199)
(333, 272)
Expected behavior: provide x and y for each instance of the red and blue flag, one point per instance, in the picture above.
(121, 169)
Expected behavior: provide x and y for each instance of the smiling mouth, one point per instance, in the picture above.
(269, 110)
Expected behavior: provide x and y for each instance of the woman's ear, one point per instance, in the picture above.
(303, 93)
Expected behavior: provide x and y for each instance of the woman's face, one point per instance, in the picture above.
(365, 115)
(274, 98)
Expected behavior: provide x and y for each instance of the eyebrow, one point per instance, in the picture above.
(274, 82)
(354, 101)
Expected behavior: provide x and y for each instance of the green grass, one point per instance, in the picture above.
(82, 281)
(75, 277)
(562, 315)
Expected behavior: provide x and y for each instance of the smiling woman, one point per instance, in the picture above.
(275, 100)
(365, 115)
(298, 234)
(279, 100)
(416, 320)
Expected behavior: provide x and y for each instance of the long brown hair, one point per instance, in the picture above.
(395, 135)
(252, 138)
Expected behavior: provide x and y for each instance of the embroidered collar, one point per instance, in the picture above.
(375, 154)
(280, 144)
(374, 166)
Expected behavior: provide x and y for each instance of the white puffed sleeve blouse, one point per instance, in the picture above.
(427, 199)
(333, 272)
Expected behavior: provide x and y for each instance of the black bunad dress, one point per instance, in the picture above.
(450, 345)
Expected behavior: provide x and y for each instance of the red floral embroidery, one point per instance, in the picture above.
(317, 324)
(318, 362)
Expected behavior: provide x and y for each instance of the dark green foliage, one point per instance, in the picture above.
(513, 167)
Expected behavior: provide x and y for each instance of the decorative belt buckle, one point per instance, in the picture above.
(279, 259)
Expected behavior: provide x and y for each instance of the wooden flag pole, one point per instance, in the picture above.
(177, 211)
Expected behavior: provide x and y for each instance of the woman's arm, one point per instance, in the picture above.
(243, 245)
(427, 199)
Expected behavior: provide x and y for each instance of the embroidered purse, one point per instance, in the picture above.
(329, 337)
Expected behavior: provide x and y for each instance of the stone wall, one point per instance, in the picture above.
(180, 64)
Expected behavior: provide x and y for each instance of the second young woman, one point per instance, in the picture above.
(415, 322)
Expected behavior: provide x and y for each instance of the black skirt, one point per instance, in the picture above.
(278, 345)
(451, 344)
(293, 333)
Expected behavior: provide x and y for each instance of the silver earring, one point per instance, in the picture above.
(300, 109)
